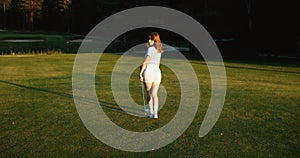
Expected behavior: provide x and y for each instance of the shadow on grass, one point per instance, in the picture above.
(106, 105)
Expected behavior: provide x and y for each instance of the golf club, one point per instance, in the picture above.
(144, 101)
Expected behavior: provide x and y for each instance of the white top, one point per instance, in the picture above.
(154, 56)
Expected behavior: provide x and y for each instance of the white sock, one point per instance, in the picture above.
(155, 109)
(151, 109)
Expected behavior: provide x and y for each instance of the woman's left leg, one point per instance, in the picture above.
(149, 97)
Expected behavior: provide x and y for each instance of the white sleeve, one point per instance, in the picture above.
(150, 51)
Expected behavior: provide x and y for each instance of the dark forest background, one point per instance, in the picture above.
(239, 27)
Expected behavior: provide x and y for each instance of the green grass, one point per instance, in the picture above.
(38, 42)
(47, 41)
(260, 117)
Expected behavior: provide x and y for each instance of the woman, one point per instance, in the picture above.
(150, 73)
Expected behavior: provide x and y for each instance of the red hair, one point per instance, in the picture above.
(154, 36)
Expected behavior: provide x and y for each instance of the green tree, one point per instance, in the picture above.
(5, 5)
(249, 12)
(32, 10)
(63, 5)
(64, 11)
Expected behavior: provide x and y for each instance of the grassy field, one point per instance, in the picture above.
(260, 118)
(18, 42)
(14, 42)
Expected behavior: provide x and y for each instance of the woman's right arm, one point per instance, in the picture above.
(144, 67)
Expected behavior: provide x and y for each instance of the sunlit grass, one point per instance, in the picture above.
(260, 117)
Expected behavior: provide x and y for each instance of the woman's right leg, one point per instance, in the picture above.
(154, 91)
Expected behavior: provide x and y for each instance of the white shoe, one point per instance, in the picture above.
(156, 116)
(151, 116)
(147, 111)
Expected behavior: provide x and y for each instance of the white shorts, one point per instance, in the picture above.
(152, 73)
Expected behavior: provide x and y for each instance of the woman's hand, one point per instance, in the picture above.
(141, 76)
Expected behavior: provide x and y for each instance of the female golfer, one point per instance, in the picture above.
(150, 73)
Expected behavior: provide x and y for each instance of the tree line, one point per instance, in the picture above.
(31, 14)
(80, 15)
(264, 24)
